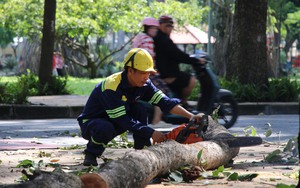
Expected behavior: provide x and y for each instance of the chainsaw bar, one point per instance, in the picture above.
(241, 141)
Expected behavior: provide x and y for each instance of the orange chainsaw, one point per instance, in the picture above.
(192, 132)
(189, 133)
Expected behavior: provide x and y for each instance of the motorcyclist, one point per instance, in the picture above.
(145, 40)
(168, 58)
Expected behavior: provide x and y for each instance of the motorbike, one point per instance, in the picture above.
(212, 98)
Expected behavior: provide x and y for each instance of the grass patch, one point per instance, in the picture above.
(10, 79)
(77, 86)
(82, 86)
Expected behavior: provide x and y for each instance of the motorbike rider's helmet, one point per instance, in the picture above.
(166, 19)
(148, 21)
(140, 59)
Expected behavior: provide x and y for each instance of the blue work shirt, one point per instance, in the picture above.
(113, 97)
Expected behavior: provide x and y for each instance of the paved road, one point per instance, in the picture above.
(283, 127)
(61, 132)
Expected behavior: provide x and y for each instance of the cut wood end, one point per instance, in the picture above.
(91, 180)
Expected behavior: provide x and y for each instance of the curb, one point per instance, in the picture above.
(268, 108)
(39, 112)
(49, 112)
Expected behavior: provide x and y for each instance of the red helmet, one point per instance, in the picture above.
(166, 19)
(148, 21)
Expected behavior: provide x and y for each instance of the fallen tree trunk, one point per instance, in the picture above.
(138, 167)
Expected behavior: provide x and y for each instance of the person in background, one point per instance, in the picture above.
(59, 63)
(54, 70)
(113, 108)
(145, 40)
(168, 57)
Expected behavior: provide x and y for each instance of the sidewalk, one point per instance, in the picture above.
(70, 106)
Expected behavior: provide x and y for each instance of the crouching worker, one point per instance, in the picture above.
(113, 108)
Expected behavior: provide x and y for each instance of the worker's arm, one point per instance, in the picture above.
(179, 110)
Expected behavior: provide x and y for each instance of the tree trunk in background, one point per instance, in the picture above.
(222, 25)
(248, 56)
(45, 69)
(138, 167)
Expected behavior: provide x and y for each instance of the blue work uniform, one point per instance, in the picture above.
(113, 108)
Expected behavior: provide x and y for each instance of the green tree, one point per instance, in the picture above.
(6, 36)
(83, 25)
(221, 23)
(283, 30)
(79, 23)
(292, 26)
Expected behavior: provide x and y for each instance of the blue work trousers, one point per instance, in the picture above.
(100, 131)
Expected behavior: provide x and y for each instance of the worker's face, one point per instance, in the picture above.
(166, 28)
(137, 78)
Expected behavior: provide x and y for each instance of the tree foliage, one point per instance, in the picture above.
(23, 17)
(79, 23)
(294, 19)
(285, 13)
(84, 24)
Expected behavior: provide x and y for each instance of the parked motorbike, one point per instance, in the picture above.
(212, 98)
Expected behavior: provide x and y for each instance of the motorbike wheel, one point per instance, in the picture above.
(228, 111)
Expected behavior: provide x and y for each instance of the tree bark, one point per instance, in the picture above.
(138, 167)
(45, 69)
(248, 56)
(222, 27)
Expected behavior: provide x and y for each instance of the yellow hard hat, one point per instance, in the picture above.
(139, 59)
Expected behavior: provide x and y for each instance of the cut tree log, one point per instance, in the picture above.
(138, 167)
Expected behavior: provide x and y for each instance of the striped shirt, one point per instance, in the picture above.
(142, 40)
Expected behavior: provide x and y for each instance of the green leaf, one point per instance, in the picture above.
(273, 156)
(199, 155)
(281, 185)
(216, 172)
(253, 132)
(25, 163)
(40, 163)
(54, 165)
(250, 128)
(268, 133)
(176, 176)
(289, 146)
(233, 176)
(247, 177)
